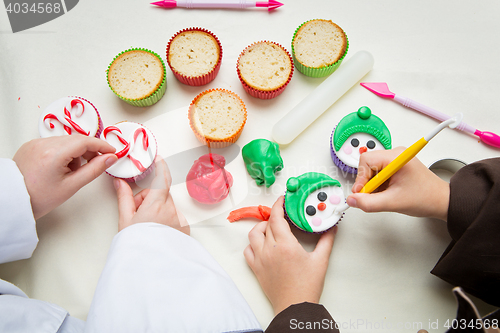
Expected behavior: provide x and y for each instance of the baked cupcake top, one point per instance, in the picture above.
(217, 114)
(311, 200)
(135, 148)
(136, 74)
(319, 43)
(193, 53)
(265, 66)
(67, 116)
(357, 133)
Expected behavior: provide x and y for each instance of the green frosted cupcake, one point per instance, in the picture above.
(318, 47)
(138, 76)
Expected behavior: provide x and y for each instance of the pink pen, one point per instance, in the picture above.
(237, 4)
(381, 89)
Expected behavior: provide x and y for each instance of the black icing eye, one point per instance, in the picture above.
(322, 196)
(310, 210)
(370, 144)
(355, 142)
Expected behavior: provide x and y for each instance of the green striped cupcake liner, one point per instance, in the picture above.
(151, 99)
(317, 71)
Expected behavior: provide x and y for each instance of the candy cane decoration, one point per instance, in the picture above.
(74, 125)
(129, 146)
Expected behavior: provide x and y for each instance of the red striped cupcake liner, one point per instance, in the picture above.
(196, 80)
(262, 94)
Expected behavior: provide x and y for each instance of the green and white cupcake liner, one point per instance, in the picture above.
(155, 96)
(317, 71)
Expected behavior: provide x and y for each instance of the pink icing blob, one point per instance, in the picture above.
(334, 199)
(316, 221)
(207, 181)
(347, 149)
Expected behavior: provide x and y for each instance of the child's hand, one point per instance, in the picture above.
(154, 204)
(413, 190)
(287, 273)
(52, 168)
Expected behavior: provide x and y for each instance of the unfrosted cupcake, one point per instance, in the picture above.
(311, 200)
(318, 47)
(265, 69)
(355, 134)
(68, 116)
(135, 148)
(217, 117)
(194, 56)
(138, 76)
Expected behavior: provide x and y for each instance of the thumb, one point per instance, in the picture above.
(91, 170)
(325, 244)
(370, 202)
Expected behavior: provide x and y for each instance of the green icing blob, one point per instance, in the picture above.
(362, 121)
(297, 191)
(262, 159)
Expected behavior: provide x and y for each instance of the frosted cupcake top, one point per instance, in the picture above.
(135, 148)
(67, 116)
(311, 200)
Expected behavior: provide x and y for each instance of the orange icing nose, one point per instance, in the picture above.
(321, 206)
(362, 150)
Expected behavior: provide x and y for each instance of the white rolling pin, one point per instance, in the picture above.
(327, 93)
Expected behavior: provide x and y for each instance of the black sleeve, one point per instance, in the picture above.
(472, 260)
(303, 317)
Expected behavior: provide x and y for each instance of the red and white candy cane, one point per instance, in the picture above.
(129, 146)
(75, 126)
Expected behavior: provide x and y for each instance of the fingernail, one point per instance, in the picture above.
(110, 161)
(116, 183)
(351, 202)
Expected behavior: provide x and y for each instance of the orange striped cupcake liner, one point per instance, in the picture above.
(196, 80)
(261, 93)
(211, 142)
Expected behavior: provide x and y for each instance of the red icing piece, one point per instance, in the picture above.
(362, 150)
(321, 206)
(207, 181)
(258, 212)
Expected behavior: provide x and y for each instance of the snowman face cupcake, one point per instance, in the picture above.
(355, 145)
(311, 200)
(319, 208)
(355, 134)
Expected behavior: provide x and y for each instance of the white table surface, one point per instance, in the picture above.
(441, 53)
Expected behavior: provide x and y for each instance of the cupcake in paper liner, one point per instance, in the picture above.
(217, 117)
(194, 56)
(265, 69)
(355, 134)
(136, 150)
(138, 76)
(311, 200)
(318, 47)
(68, 116)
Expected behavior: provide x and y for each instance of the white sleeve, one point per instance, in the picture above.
(158, 279)
(18, 238)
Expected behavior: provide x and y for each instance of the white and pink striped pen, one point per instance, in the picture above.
(235, 4)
